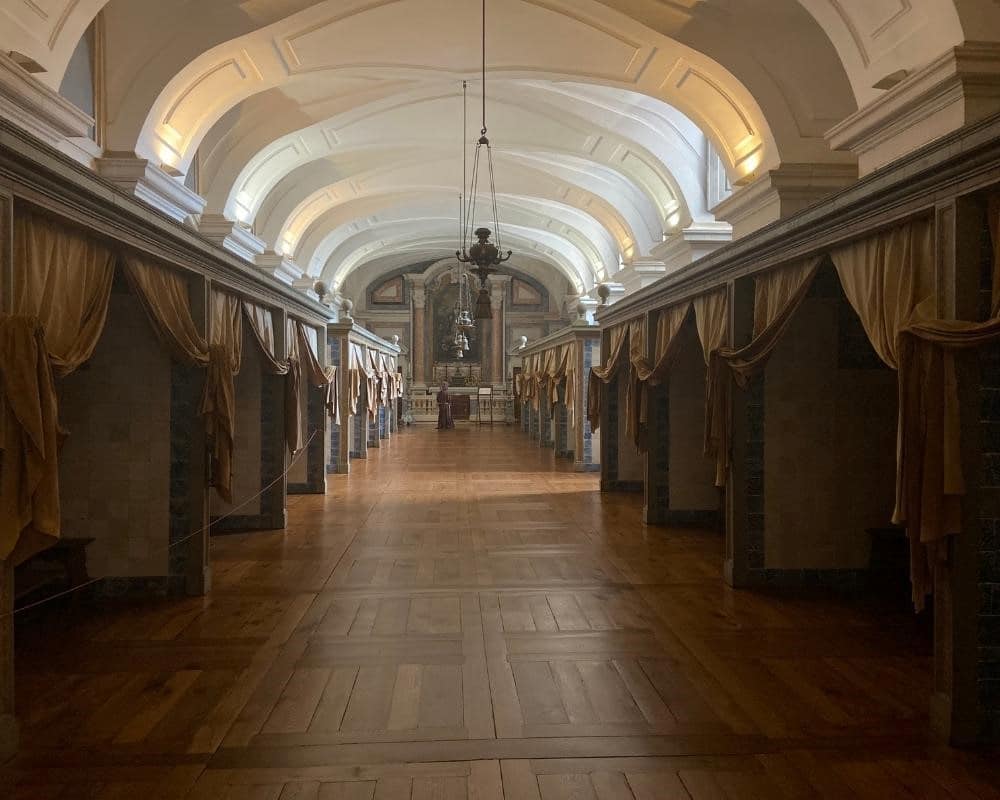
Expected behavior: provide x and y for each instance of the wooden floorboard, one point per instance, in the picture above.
(464, 617)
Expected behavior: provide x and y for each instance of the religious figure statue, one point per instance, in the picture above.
(445, 421)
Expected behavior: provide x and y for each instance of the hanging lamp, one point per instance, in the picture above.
(482, 255)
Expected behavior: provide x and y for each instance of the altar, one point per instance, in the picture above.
(465, 405)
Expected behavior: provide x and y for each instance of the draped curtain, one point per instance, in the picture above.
(600, 376)
(711, 316)
(314, 373)
(219, 406)
(888, 278)
(635, 398)
(356, 374)
(60, 305)
(651, 373)
(549, 369)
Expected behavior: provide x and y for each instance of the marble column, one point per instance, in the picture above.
(498, 295)
(8, 724)
(418, 300)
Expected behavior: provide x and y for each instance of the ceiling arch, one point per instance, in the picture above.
(569, 239)
(565, 122)
(377, 40)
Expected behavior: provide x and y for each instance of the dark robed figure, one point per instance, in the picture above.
(444, 409)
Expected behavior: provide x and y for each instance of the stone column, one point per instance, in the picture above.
(564, 447)
(8, 724)
(965, 702)
(418, 300)
(340, 439)
(359, 426)
(498, 295)
(745, 487)
(587, 447)
(189, 494)
(609, 425)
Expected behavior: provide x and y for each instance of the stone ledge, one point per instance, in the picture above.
(36, 108)
(152, 185)
(960, 87)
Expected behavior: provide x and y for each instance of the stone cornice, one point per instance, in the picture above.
(961, 162)
(967, 74)
(36, 108)
(152, 185)
(789, 187)
(38, 174)
(561, 336)
(355, 333)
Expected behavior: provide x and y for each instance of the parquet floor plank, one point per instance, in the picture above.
(463, 617)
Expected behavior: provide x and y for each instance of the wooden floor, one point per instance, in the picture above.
(463, 617)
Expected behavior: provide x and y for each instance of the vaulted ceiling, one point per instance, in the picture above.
(333, 129)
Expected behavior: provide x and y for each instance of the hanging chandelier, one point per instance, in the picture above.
(482, 255)
(462, 321)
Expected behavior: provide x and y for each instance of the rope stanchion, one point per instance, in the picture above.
(181, 541)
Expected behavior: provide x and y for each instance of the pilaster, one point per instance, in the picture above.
(231, 236)
(498, 350)
(694, 242)
(641, 273)
(544, 419)
(965, 703)
(960, 87)
(418, 299)
(587, 447)
(781, 192)
(151, 184)
(189, 494)
(8, 722)
(44, 113)
(745, 487)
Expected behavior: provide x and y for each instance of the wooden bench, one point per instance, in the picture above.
(59, 568)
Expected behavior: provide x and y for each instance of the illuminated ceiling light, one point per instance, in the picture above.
(483, 256)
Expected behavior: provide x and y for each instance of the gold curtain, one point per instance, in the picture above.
(711, 315)
(30, 517)
(62, 290)
(294, 421)
(261, 321)
(635, 398)
(219, 406)
(617, 338)
(357, 374)
(63, 280)
(549, 369)
(650, 373)
(571, 357)
(777, 296)
(315, 373)
(163, 295)
(889, 281)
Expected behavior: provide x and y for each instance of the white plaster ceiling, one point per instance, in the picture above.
(333, 127)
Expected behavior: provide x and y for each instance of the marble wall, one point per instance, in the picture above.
(115, 465)
(829, 415)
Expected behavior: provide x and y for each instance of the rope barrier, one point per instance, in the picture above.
(185, 539)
